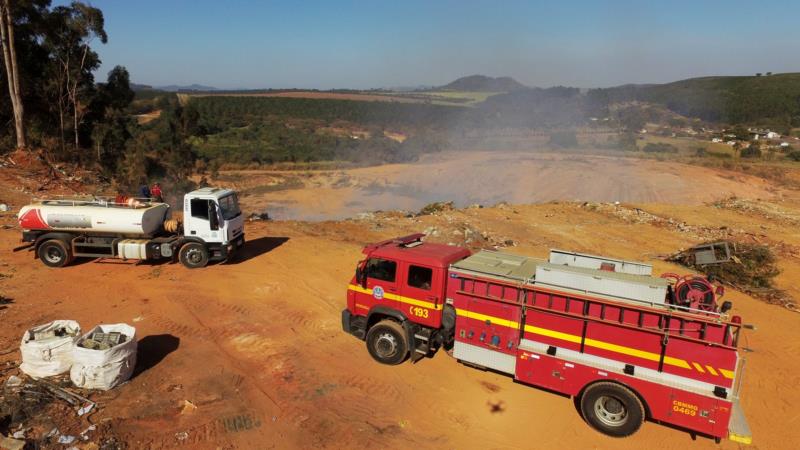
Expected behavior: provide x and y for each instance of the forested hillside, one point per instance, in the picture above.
(766, 99)
(56, 108)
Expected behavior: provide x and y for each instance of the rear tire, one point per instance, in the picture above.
(194, 255)
(387, 342)
(55, 253)
(612, 409)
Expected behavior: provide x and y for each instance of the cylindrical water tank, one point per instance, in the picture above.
(68, 215)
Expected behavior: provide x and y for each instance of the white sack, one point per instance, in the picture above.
(104, 369)
(49, 356)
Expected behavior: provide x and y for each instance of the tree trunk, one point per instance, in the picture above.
(12, 73)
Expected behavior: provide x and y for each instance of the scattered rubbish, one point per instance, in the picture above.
(13, 381)
(86, 431)
(47, 349)
(102, 341)
(19, 434)
(4, 207)
(182, 436)
(748, 267)
(711, 253)
(258, 216)
(86, 409)
(66, 439)
(104, 357)
(138, 319)
(188, 407)
(436, 207)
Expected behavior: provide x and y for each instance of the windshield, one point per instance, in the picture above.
(229, 206)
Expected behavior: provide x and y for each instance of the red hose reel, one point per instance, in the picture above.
(694, 292)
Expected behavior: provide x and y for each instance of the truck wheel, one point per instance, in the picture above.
(612, 409)
(194, 255)
(387, 342)
(55, 253)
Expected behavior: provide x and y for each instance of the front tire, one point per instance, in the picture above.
(612, 409)
(387, 342)
(194, 255)
(55, 253)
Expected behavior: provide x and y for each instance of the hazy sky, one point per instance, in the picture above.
(365, 44)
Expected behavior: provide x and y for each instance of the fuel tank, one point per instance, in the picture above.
(137, 219)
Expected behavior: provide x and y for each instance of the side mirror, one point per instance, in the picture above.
(726, 306)
(361, 274)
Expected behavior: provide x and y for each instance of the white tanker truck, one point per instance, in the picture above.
(58, 230)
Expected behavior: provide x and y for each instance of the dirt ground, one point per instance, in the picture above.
(256, 345)
(487, 178)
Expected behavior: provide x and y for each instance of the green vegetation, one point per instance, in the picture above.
(563, 139)
(772, 100)
(660, 148)
(752, 151)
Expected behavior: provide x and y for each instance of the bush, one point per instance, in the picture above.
(563, 139)
(794, 156)
(660, 147)
(752, 151)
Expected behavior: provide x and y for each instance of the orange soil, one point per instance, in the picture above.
(257, 345)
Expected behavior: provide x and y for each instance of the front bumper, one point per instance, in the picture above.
(355, 325)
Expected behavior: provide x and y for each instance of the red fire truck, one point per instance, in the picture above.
(628, 346)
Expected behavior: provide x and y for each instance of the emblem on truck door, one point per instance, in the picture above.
(377, 292)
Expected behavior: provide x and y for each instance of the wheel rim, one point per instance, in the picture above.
(610, 410)
(53, 255)
(386, 345)
(194, 256)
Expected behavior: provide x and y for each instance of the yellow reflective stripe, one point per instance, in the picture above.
(577, 339)
(742, 439)
(397, 298)
(711, 369)
(484, 318)
(554, 334)
(698, 367)
(726, 373)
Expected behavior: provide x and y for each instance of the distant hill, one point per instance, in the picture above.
(191, 87)
(771, 99)
(482, 83)
(141, 87)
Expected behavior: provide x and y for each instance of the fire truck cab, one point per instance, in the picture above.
(626, 345)
(398, 294)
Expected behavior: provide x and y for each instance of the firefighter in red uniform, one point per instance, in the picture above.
(155, 193)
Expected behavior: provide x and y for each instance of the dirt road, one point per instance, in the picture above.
(487, 178)
(256, 345)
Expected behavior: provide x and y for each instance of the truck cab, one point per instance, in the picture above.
(211, 216)
(396, 299)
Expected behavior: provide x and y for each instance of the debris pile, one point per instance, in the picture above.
(102, 341)
(29, 409)
(47, 349)
(767, 210)
(436, 207)
(748, 267)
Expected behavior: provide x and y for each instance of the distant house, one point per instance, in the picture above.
(784, 144)
(716, 140)
(731, 143)
(772, 135)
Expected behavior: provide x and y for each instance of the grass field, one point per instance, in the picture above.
(687, 145)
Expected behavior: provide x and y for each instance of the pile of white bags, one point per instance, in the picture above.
(47, 349)
(104, 368)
